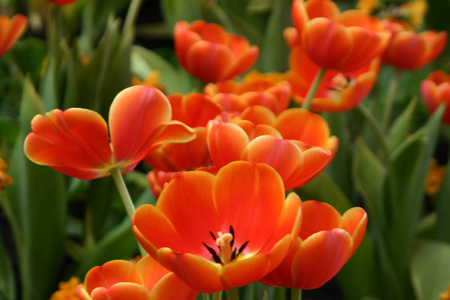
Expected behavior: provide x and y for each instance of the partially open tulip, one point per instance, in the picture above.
(436, 92)
(144, 280)
(270, 90)
(337, 91)
(210, 53)
(326, 242)
(410, 50)
(296, 143)
(76, 141)
(333, 40)
(194, 110)
(220, 231)
(11, 29)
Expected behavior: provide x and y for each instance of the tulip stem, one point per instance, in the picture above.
(296, 294)
(126, 198)
(313, 88)
(205, 296)
(233, 294)
(217, 296)
(131, 15)
(390, 97)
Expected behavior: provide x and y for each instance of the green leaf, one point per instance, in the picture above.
(38, 203)
(443, 208)
(430, 269)
(402, 126)
(323, 188)
(260, 5)
(7, 281)
(177, 10)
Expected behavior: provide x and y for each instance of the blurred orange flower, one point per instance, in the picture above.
(76, 142)
(67, 290)
(227, 231)
(144, 280)
(11, 29)
(210, 53)
(61, 2)
(326, 242)
(436, 92)
(410, 50)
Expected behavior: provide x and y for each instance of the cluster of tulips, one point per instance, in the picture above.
(226, 158)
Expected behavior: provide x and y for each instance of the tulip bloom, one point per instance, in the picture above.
(11, 29)
(194, 110)
(436, 92)
(223, 231)
(144, 280)
(340, 41)
(326, 242)
(285, 142)
(338, 91)
(210, 53)
(410, 50)
(270, 90)
(76, 142)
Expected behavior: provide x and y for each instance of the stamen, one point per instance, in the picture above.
(225, 243)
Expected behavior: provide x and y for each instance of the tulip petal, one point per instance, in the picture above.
(354, 221)
(121, 291)
(313, 211)
(171, 287)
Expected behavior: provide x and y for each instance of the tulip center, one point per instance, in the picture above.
(339, 83)
(226, 252)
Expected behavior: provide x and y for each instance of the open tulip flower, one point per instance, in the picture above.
(270, 90)
(337, 91)
(11, 29)
(144, 280)
(285, 142)
(436, 92)
(194, 110)
(228, 230)
(76, 142)
(333, 40)
(410, 50)
(210, 53)
(326, 242)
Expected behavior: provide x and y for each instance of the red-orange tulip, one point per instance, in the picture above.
(11, 29)
(337, 91)
(410, 50)
(194, 110)
(76, 142)
(326, 242)
(270, 90)
(343, 41)
(144, 280)
(223, 231)
(296, 143)
(436, 92)
(210, 53)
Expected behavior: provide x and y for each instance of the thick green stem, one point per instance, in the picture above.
(217, 296)
(205, 296)
(390, 97)
(313, 88)
(131, 17)
(296, 294)
(233, 294)
(126, 198)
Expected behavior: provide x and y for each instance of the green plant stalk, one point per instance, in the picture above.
(233, 294)
(126, 198)
(313, 88)
(217, 296)
(205, 296)
(390, 97)
(296, 294)
(131, 17)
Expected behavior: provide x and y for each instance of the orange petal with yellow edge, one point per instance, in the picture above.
(354, 221)
(121, 291)
(172, 287)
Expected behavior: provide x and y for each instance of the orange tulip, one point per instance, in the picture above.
(341, 41)
(11, 29)
(410, 50)
(76, 142)
(436, 92)
(223, 231)
(195, 110)
(144, 280)
(296, 143)
(338, 91)
(210, 53)
(270, 90)
(326, 242)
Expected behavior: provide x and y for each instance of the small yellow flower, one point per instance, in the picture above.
(5, 179)
(446, 295)
(152, 80)
(415, 12)
(367, 6)
(67, 290)
(434, 178)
